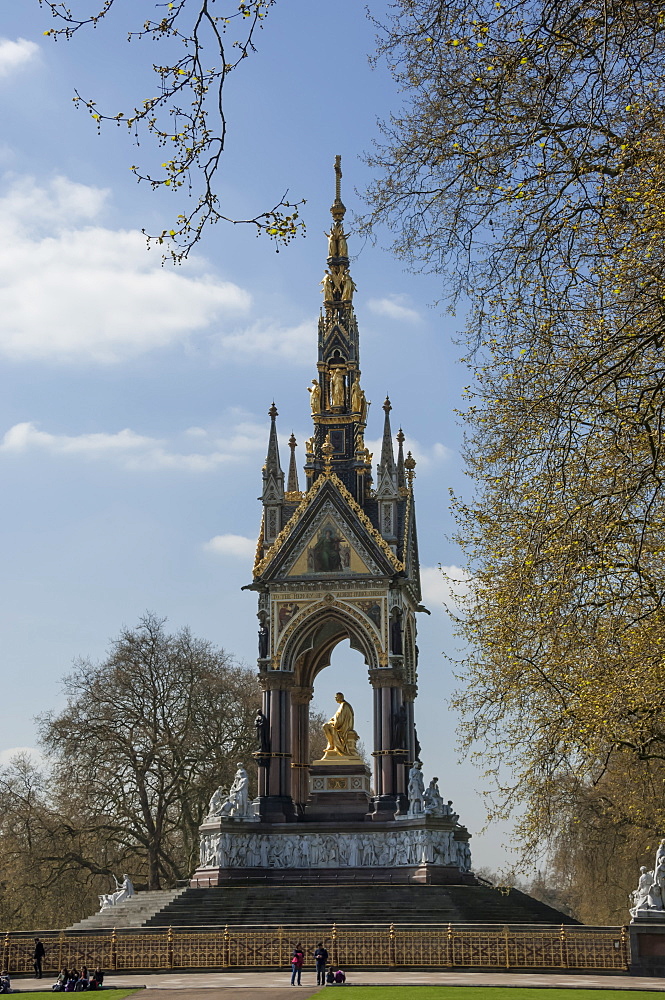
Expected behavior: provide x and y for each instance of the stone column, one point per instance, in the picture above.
(388, 760)
(300, 699)
(409, 692)
(275, 801)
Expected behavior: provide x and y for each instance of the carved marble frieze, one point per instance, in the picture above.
(369, 849)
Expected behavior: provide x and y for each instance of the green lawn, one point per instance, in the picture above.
(478, 993)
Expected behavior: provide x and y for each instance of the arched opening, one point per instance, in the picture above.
(347, 672)
(338, 635)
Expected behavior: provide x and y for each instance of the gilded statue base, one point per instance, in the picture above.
(331, 758)
(339, 790)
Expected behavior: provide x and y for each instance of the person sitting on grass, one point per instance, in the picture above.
(61, 981)
(72, 979)
(83, 981)
(330, 977)
(96, 979)
(340, 977)
(5, 982)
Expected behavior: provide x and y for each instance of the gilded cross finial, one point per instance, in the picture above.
(337, 208)
(410, 465)
(327, 452)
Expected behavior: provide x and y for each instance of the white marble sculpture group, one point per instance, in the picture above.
(235, 803)
(426, 801)
(124, 890)
(315, 850)
(649, 898)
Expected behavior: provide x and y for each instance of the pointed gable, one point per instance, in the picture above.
(328, 536)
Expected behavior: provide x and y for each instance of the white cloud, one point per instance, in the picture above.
(265, 338)
(394, 307)
(240, 440)
(444, 585)
(14, 55)
(232, 545)
(92, 293)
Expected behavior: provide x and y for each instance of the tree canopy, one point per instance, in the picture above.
(526, 168)
(147, 736)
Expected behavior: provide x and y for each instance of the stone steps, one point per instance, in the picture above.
(275, 904)
(134, 912)
(306, 904)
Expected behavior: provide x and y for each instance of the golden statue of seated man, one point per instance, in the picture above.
(340, 734)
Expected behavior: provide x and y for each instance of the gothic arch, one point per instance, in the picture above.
(307, 645)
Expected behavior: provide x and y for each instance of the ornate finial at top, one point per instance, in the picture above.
(387, 406)
(338, 209)
(272, 412)
(410, 465)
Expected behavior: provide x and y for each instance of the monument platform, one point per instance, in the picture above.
(294, 903)
(426, 849)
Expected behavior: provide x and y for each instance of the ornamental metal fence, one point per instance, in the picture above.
(351, 946)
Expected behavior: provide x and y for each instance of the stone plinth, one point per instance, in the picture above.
(338, 792)
(422, 850)
(647, 946)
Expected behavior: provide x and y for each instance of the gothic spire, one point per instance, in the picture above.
(337, 400)
(273, 477)
(292, 482)
(401, 474)
(387, 453)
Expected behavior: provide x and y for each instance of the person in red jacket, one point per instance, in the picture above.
(296, 964)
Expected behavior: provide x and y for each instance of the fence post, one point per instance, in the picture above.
(169, 947)
(392, 962)
(114, 950)
(280, 937)
(333, 946)
(449, 939)
(61, 948)
(6, 954)
(563, 946)
(624, 947)
(226, 951)
(506, 945)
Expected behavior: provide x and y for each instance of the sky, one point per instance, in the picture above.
(134, 396)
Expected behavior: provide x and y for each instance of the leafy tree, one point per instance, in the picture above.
(526, 166)
(184, 118)
(144, 739)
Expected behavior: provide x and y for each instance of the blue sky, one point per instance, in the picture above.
(134, 397)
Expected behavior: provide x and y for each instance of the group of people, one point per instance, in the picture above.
(75, 980)
(330, 978)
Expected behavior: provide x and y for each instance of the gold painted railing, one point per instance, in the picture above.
(420, 946)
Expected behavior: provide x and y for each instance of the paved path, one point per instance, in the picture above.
(275, 985)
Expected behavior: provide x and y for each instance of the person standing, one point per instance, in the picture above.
(38, 957)
(296, 964)
(321, 959)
